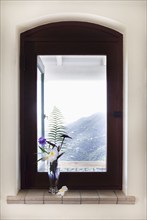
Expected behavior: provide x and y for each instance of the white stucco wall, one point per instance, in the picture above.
(128, 17)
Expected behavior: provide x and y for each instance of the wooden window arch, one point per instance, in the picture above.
(71, 38)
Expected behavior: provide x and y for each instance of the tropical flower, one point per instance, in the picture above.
(51, 151)
(62, 191)
(53, 154)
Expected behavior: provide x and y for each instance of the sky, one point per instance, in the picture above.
(75, 99)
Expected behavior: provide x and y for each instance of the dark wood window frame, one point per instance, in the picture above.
(71, 38)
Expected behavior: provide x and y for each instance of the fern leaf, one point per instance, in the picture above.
(56, 126)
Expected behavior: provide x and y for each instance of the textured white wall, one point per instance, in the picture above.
(127, 17)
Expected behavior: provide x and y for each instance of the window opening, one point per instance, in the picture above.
(76, 85)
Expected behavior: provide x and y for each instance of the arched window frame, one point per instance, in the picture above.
(71, 38)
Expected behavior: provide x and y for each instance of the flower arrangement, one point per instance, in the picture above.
(51, 152)
(51, 148)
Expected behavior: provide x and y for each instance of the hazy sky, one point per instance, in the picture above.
(75, 99)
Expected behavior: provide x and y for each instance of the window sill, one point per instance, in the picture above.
(71, 197)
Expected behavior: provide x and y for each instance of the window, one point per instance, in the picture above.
(72, 85)
(72, 42)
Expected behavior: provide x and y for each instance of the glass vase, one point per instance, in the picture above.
(53, 175)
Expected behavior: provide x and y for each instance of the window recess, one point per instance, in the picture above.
(62, 40)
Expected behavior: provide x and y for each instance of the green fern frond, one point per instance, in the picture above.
(56, 126)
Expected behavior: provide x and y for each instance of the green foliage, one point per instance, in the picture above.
(43, 150)
(56, 126)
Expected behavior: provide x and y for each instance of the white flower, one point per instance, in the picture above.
(62, 190)
(52, 155)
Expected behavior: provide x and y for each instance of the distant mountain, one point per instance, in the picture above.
(88, 141)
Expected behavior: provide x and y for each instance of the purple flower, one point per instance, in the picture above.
(42, 141)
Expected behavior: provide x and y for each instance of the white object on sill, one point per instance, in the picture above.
(62, 191)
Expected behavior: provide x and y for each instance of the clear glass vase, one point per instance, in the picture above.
(53, 174)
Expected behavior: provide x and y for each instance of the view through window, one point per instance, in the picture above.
(77, 87)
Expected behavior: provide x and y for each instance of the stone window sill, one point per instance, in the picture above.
(71, 197)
